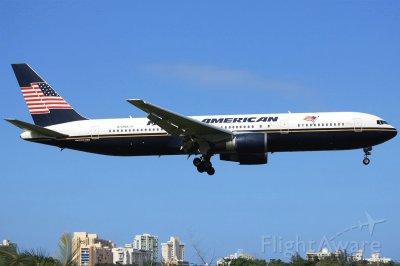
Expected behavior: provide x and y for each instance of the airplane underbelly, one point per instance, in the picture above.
(316, 141)
(124, 146)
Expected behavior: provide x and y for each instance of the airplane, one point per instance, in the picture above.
(370, 223)
(246, 139)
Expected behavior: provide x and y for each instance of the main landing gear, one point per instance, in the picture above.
(204, 164)
(367, 151)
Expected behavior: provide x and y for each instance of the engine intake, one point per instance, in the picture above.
(248, 143)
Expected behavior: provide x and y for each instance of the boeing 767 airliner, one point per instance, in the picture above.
(245, 139)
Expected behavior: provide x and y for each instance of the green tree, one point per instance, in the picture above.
(65, 252)
(13, 257)
(332, 260)
(247, 262)
(297, 260)
(278, 262)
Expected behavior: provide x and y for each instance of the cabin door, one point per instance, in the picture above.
(94, 132)
(357, 125)
(284, 126)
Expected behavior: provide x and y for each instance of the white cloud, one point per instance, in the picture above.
(208, 76)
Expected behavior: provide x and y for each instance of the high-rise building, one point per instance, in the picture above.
(89, 250)
(147, 242)
(173, 252)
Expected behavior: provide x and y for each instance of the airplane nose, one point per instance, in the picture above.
(392, 133)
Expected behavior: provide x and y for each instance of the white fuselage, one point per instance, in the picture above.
(286, 123)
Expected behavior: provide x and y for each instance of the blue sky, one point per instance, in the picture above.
(202, 58)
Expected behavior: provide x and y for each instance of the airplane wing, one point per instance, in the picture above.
(180, 125)
(34, 128)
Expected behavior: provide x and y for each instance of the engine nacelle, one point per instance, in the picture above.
(248, 143)
(246, 148)
(257, 158)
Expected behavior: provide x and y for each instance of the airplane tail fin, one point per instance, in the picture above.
(46, 106)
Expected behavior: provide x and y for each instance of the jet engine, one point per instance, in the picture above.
(245, 148)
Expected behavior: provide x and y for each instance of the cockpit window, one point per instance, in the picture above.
(381, 122)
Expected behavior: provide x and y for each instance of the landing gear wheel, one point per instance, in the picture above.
(201, 168)
(211, 171)
(203, 164)
(207, 164)
(367, 152)
(196, 162)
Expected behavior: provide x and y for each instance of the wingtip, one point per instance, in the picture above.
(133, 101)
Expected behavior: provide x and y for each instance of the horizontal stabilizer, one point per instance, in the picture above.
(36, 129)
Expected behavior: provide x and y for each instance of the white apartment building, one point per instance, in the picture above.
(147, 242)
(5, 243)
(376, 257)
(226, 261)
(129, 255)
(358, 256)
(324, 253)
(173, 251)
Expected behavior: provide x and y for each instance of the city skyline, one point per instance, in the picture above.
(89, 250)
(196, 59)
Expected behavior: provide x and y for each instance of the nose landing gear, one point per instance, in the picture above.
(203, 164)
(367, 152)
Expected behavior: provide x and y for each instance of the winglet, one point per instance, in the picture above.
(36, 129)
(137, 102)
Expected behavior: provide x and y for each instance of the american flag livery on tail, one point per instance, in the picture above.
(40, 98)
(45, 105)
